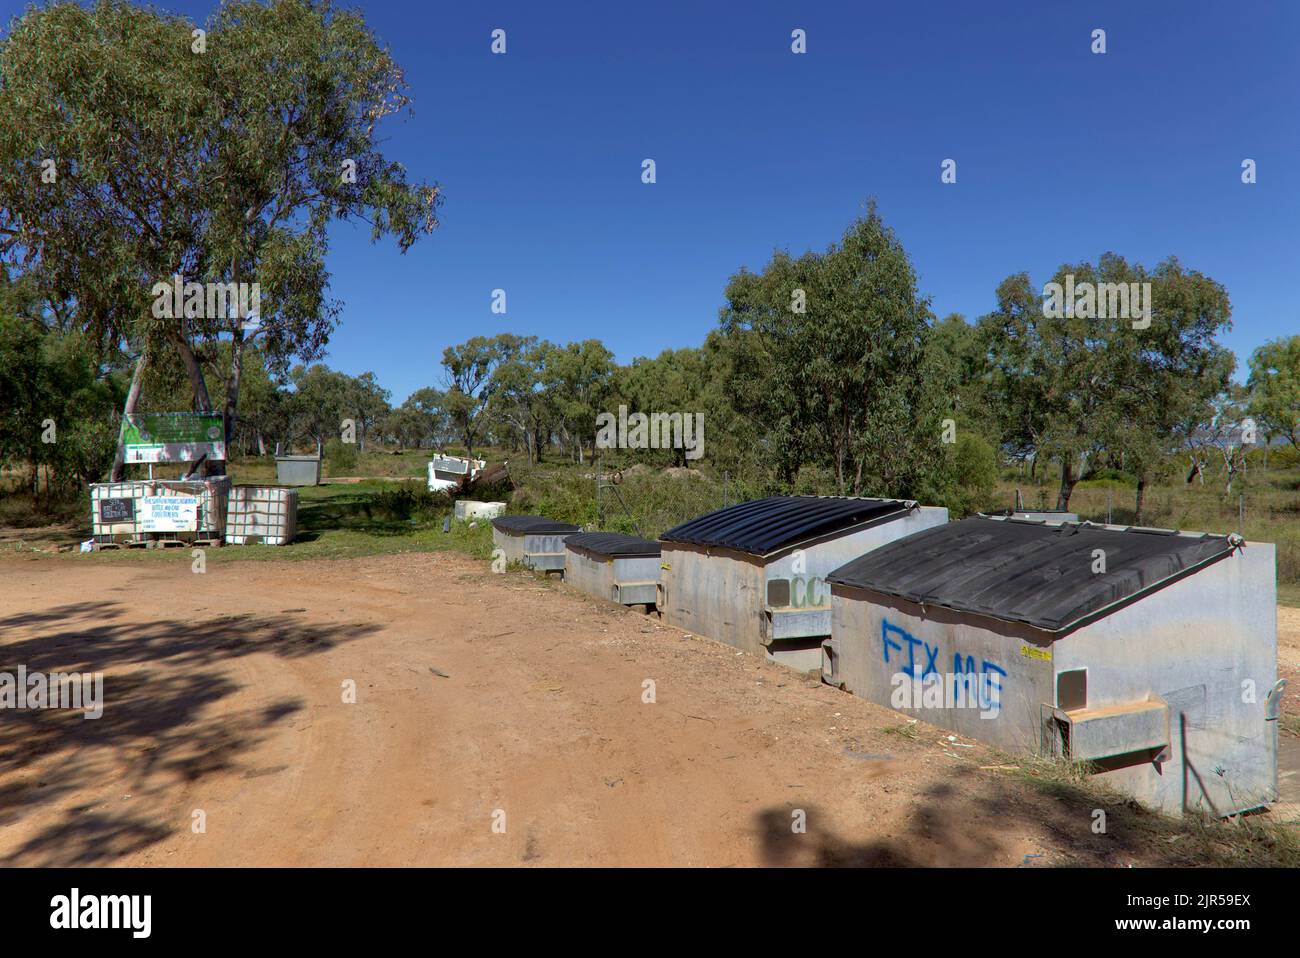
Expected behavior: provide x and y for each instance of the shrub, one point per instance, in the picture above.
(340, 457)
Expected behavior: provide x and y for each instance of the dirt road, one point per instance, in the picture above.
(497, 720)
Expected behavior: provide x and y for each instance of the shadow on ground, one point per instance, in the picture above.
(155, 721)
(971, 820)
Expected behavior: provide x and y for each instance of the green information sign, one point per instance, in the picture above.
(173, 437)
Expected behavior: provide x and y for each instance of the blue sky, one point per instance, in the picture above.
(1062, 155)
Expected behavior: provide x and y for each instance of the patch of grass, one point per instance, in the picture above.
(646, 501)
(1048, 774)
(472, 538)
(1197, 838)
(906, 730)
(19, 509)
(372, 517)
(1272, 508)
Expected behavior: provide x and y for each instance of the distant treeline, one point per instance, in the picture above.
(826, 372)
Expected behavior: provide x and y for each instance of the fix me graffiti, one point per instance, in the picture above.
(918, 683)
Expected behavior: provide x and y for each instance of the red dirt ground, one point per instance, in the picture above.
(224, 696)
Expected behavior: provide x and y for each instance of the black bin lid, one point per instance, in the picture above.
(612, 545)
(1021, 570)
(763, 526)
(530, 525)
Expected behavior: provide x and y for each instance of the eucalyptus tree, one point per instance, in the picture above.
(517, 402)
(136, 146)
(829, 353)
(1275, 388)
(1089, 381)
(469, 369)
(575, 380)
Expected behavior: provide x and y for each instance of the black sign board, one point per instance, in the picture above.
(116, 510)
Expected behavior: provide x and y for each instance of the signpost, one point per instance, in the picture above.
(173, 437)
(169, 514)
(116, 510)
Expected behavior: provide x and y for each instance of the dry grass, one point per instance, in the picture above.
(1250, 840)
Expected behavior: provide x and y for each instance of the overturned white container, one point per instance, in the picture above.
(266, 515)
(467, 509)
(612, 566)
(447, 472)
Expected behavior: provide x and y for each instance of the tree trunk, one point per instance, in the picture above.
(202, 399)
(231, 407)
(1068, 479)
(128, 407)
(197, 383)
(1141, 494)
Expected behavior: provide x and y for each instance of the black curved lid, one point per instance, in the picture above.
(1026, 571)
(613, 544)
(763, 526)
(528, 525)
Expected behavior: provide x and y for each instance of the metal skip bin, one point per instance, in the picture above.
(297, 470)
(753, 575)
(1129, 649)
(612, 566)
(266, 515)
(532, 541)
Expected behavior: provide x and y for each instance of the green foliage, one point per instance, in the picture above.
(473, 538)
(827, 353)
(409, 501)
(966, 479)
(225, 164)
(324, 398)
(575, 381)
(420, 422)
(471, 372)
(1275, 388)
(1108, 479)
(56, 411)
(646, 501)
(340, 457)
(975, 470)
(1079, 389)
